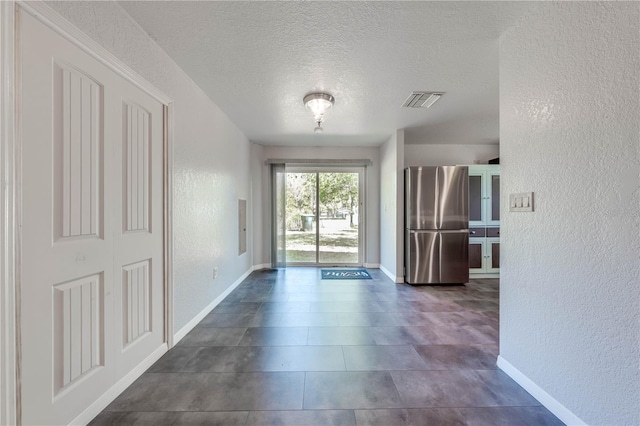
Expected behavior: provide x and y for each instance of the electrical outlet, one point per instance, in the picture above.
(215, 272)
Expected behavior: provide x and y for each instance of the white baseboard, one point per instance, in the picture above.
(483, 275)
(196, 320)
(114, 391)
(553, 405)
(372, 265)
(261, 266)
(101, 403)
(390, 275)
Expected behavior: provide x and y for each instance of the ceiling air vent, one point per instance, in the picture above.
(422, 99)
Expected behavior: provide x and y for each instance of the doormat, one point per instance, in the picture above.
(345, 274)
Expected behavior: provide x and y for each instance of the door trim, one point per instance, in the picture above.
(70, 32)
(10, 191)
(9, 262)
(168, 223)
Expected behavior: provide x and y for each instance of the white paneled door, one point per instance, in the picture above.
(92, 226)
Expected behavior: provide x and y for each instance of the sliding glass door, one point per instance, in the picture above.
(323, 216)
(278, 216)
(339, 207)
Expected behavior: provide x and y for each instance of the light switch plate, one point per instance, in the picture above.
(522, 202)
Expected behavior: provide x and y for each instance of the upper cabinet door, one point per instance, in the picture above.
(476, 198)
(484, 195)
(493, 178)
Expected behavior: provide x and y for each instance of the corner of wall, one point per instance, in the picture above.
(552, 404)
(569, 306)
(400, 205)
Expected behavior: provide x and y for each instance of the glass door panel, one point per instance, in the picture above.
(339, 208)
(278, 231)
(322, 216)
(301, 214)
(475, 198)
(495, 198)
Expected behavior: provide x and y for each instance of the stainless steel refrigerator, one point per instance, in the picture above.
(437, 225)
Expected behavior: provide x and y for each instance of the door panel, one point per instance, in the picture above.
(67, 273)
(493, 254)
(339, 207)
(138, 270)
(476, 254)
(301, 220)
(77, 150)
(78, 329)
(73, 252)
(136, 137)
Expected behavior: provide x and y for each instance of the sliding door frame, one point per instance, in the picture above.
(318, 170)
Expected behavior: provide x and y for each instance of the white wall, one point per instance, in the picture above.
(261, 208)
(569, 131)
(392, 206)
(372, 196)
(448, 155)
(211, 161)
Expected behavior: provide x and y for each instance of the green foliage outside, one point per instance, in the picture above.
(337, 196)
(338, 202)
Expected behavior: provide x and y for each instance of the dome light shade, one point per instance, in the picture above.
(318, 103)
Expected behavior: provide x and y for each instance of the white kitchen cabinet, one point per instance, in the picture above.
(484, 195)
(484, 252)
(492, 250)
(484, 220)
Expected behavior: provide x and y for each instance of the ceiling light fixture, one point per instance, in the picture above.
(318, 103)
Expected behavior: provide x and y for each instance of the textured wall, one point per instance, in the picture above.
(400, 147)
(569, 131)
(261, 207)
(372, 196)
(391, 204)
(211, 161)
(446, 155)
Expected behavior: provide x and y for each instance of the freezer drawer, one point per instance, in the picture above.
(454, 257)
(422, 257)
(436, 257)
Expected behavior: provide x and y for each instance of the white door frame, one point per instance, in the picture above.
(9, 390)
(10, 188)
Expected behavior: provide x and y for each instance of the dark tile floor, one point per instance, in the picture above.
(287, 348)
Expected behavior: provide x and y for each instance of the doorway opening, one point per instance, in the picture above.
(320, 216)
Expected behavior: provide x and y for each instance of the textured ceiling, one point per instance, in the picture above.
(256, 61)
